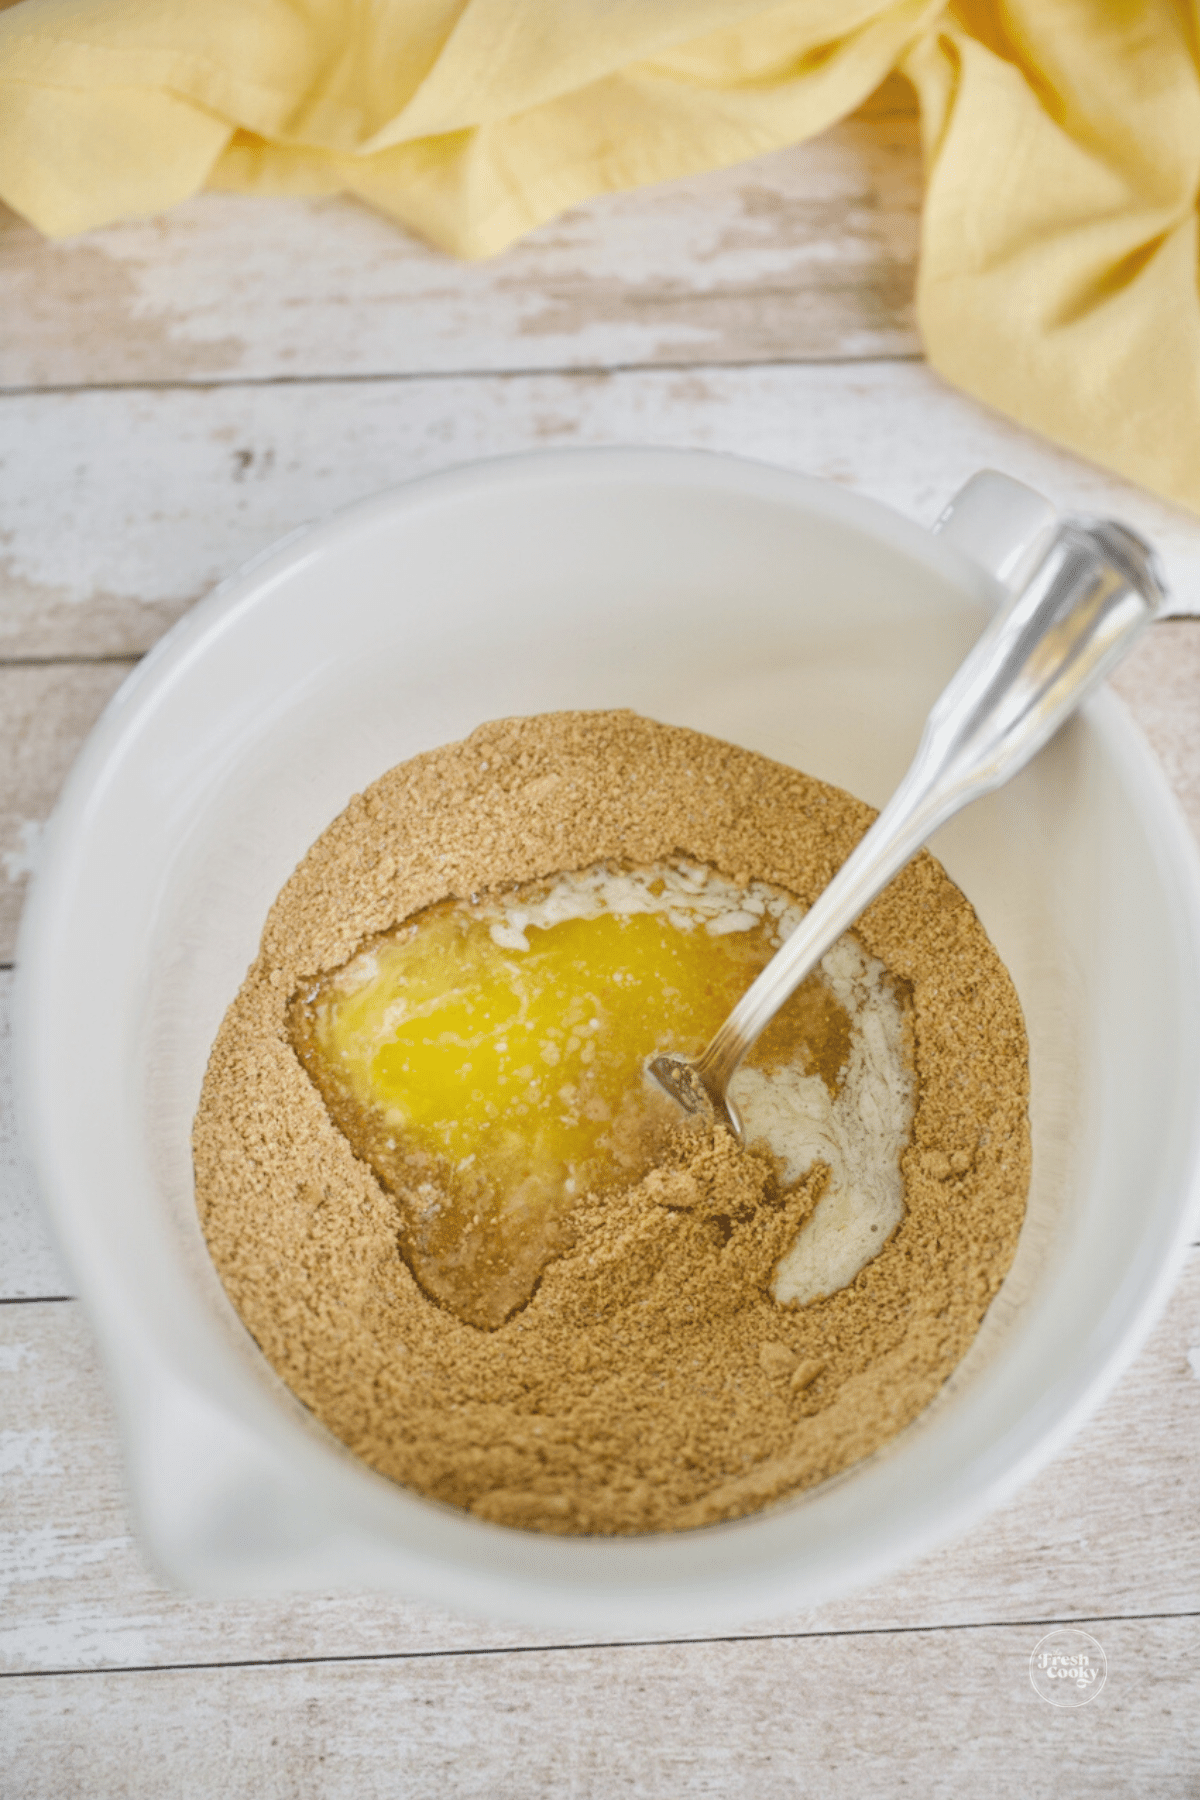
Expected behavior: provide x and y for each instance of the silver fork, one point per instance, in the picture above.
(1097, 586)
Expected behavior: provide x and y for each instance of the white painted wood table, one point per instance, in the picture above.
(175, 394)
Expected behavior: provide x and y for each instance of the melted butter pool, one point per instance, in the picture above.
(487, 1059)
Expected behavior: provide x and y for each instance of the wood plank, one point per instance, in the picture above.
(1107, 1529)
(165, 492)
(45, 714)
(1160, 683)
(806, 253)
(940, 1714)
(29, 1261)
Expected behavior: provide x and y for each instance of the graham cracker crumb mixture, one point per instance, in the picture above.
(651, 1382)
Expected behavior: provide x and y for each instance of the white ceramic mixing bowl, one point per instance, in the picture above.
(783, 614)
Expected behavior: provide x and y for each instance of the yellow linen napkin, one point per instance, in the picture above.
(1058, 274)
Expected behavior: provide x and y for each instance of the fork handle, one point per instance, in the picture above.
(1095, 589)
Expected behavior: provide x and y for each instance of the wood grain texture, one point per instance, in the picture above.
(45, 714)
(1160, 683)
(940, 1714)
(119, 509)
(29, 1261)
(806, 253)
(1104, 1530)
